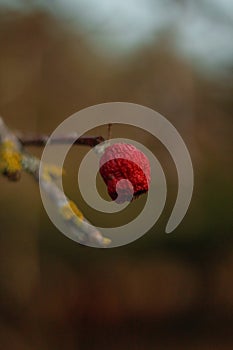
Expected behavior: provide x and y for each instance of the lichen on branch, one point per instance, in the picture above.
(14, 159)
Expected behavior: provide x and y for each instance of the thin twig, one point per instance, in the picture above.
(109, 131)
(41, 140)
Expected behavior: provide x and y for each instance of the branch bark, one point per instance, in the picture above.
(41, 140)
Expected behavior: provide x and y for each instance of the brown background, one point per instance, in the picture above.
(162, 291)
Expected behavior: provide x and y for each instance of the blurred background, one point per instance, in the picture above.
(162, 291)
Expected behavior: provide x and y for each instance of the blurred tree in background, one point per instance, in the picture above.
(164, 291)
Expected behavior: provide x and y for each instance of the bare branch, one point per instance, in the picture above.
(41, 140)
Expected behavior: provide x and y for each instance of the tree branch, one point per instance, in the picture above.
(41, 140)
(14, 159)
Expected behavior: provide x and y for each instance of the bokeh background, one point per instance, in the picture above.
(162, 291)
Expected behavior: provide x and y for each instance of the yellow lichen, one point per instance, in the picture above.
(76, 210)
(51, 172)
(71, 212)
(106, 241)
(10, 158)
